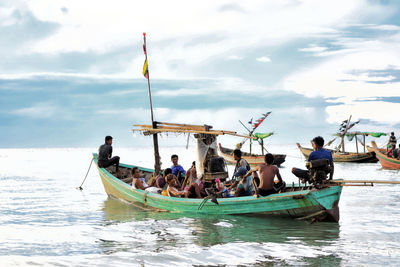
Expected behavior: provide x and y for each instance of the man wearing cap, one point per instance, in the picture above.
(105, 155)
(244, 184)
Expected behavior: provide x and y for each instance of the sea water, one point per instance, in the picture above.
(45, 220)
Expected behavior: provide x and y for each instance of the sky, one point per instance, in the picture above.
(71, 71)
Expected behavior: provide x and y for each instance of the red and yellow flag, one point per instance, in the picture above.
(145, 69)
(145, 66)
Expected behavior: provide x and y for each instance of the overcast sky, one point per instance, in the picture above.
(70, 71)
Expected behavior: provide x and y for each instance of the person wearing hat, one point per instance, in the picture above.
(243, 184)
(105, 155)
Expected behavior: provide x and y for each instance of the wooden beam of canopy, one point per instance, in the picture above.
(177, 126)
(197, 128)
(364, 182)
(151, 130)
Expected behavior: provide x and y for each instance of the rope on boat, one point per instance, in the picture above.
(80, 187)
(203, 202)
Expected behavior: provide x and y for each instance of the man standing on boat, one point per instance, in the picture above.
(318, 153)
(105, 155)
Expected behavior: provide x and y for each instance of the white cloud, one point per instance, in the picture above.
(313, 48)
(39, 111)
(223, 85)
(348, 74)
(234, 57)
(378, 111)
(263, 59)
(184, 33)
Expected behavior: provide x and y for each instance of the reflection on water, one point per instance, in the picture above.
(164, 230)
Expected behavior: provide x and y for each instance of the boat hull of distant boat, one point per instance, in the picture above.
(368, 157)
(296, 202)
(252, 159)
(384, 160)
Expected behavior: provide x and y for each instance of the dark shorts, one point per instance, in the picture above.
(263, 192)
(108, 163)
(304, 174)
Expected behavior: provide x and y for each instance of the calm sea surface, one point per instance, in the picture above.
(44, 220)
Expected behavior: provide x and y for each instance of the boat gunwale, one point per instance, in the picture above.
(271, 197)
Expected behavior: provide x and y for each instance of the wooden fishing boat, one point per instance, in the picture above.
(386, 162)
(295, 201)
(252, 159)
(368, 157)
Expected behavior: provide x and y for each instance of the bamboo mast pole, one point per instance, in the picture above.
(157, 161)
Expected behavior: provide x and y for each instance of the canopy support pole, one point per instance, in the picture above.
(364, 142)
(356, 143)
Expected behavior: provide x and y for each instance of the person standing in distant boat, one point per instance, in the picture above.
(392, 141)
(105, 155)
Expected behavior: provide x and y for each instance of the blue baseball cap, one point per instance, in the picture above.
(240, 172)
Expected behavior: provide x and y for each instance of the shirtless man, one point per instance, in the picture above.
(267, 174)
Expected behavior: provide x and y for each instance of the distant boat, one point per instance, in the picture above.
(386, 162)
(304, 202)
(339, 154)
(252, 159)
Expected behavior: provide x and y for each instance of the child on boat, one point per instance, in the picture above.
(191, 178)
(159, 181)
(173, 188)
(242, 183)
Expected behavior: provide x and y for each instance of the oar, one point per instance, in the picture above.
(362, 182)
(80, 187)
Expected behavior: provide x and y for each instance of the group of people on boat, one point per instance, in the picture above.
(176, 182)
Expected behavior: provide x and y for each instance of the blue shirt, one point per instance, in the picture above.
(247, 186)
(176, 169)
(320, 154)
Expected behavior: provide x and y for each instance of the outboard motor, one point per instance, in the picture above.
(319, 170)
(215, 167)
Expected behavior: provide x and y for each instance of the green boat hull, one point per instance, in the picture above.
(306, 203)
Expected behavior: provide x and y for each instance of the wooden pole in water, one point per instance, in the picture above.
(157, 162)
